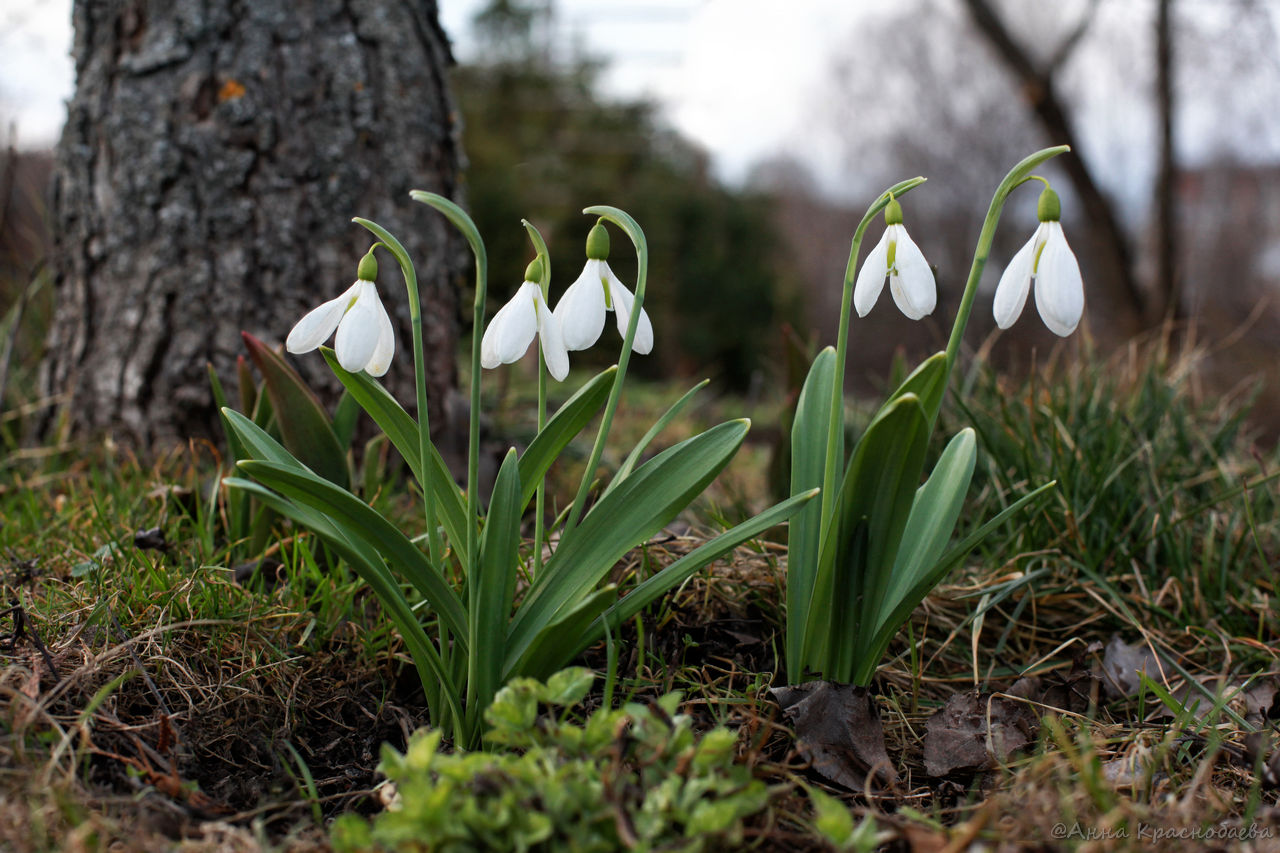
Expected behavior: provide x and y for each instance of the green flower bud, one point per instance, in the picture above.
(368, 269)
(598, 243)
(533, 272)
(1049, 209)
(893, 213)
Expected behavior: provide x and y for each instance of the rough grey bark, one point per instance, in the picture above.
(214, 154)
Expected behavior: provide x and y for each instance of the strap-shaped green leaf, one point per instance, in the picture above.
(305, 427)
(629, 464)
(875, 502)
(402, 429)
(567, 422)
(559, 642)
(934, 512)
(646, 501)
(653, 588)
(930, 579)
(369, 565)
(491, 592)
(808, 463)
(928, 382)
(364, 523)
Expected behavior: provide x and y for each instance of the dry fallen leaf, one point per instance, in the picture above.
(1121, 665)
(974, 731)
(838, 732)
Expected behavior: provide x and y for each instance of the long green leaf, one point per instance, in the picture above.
(370, 566)
(928, 382)
(558, 643)
(875, 502)
(492, 591)
(653, 588)
(933, 516)
(305, 427)
(926, 582)
(646, 501)
(629, 464)
(567, 422)
(402, 429)
(367, 525)
(808, 463)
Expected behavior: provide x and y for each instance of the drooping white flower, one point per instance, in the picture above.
(513, 328)
(366, 339)
(582, 307)
(897, 257)
(1048, 261)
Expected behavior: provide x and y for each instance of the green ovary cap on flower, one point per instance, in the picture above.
(598, 243)
(368, 268)
(365, 337)
(533, 272)
(1049, 209)
(1048, 261)
(514, 327)
(897, 257)
(893, 212)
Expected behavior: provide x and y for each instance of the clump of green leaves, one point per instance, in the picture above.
(637, 778)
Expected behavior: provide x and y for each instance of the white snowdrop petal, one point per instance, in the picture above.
(385, 348)
(623, 302)
(358, 332)
(514, 326)
(319, 323)
(916, 293)
(552, 341)
(1059, 285)
(581, 308)
(870, 281)
(1015, 283)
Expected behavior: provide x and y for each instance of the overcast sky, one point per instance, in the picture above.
(743, 78)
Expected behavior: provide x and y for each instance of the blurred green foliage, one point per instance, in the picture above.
(542, 144)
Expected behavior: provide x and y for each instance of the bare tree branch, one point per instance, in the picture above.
(1068, 45)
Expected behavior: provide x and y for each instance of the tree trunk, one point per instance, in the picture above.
(1167, 283)
(214, 154)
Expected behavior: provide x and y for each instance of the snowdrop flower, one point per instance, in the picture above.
(582, 307)
(898, 257)
(1047, 260)
(513, 328)
(366, 340)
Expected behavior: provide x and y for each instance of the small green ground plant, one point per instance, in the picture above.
(636, 778)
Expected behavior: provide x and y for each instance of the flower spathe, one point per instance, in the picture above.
(365, 338)
(900, 259)
(1048, 261)
(513, 328)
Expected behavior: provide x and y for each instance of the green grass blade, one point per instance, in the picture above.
(808, 465)
(363, 522)
(566, 423)
(637, 509)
